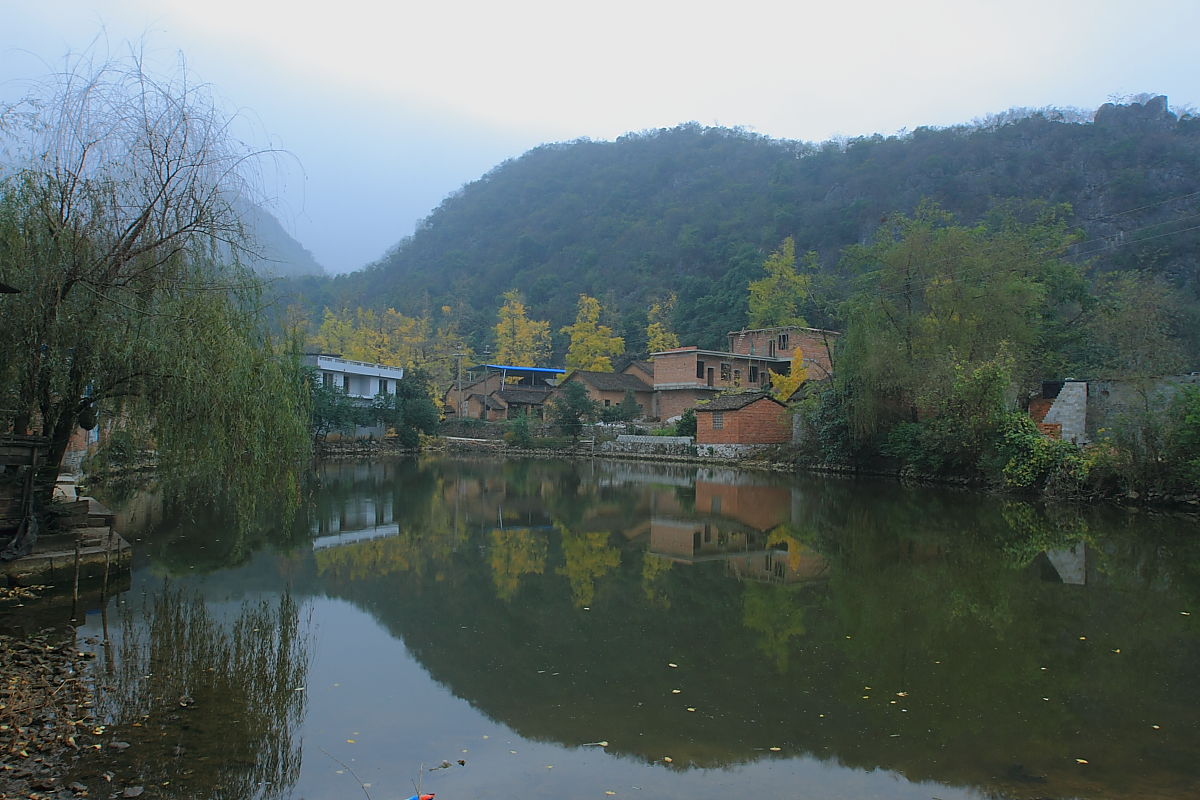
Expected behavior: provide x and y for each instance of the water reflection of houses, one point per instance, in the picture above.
(356, 519)
(733, 521)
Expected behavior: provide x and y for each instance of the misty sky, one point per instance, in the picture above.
(389, 105)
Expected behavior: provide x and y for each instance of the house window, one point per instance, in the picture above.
(718, 420)
(725, 372)
(327, 379)
(383, 386)
(699, 369)
(754, 374)
(607, 402)
(346, 382)
(783, 341)
(737, 377)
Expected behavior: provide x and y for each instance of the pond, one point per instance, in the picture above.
(555, 629)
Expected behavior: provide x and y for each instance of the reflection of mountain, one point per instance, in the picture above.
(920, 650)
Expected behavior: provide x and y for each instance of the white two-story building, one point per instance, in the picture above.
(359, 379)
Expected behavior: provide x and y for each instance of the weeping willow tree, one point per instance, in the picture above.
(118, 226)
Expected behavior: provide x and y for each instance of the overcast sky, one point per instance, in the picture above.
(389, 105)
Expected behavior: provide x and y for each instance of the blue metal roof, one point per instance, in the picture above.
(513, 367)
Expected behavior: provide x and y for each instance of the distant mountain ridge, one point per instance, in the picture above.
(694, 210)
(275, 253)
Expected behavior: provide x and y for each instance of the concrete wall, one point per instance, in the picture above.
(1110, 400)
(1070, 412)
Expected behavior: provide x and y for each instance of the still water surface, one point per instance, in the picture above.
(608, 629)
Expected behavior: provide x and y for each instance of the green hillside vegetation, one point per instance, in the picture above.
(695, 210)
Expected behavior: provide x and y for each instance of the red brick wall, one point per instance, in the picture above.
(673, 402)
(762, 422)
(811, 342)
(680, 367)
(676, 367)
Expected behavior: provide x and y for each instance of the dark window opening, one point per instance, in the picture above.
(699, 369)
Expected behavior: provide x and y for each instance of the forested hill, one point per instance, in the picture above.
(694, 210)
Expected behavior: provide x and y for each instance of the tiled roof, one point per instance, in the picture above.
(611, 381)
(732, 402)
(524, 396)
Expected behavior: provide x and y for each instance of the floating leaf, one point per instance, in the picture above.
(672, 666)
(691, 708)
(351, 741)
(668, 759)
(774, 749)
(1081, 761)
(675, 691)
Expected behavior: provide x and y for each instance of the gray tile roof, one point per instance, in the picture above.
(611, 381)
(734, 401)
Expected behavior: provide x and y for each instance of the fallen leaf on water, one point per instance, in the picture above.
(866, 697)
(1156, 727)
(668, 759)
(901, 694)
(601, 743)
(774, 749)
(676, 691)
(1118, 650)
(673, 666)
(1186, 613)
(609, 793)
(1083, 638)
(351, 741)
(691, 708)
(1081, 761)
(549, 766)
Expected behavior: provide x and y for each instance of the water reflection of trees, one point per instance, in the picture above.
(208, 704)
(807, 592)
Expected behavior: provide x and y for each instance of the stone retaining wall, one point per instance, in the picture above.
(650, 445)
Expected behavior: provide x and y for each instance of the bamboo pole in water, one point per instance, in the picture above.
(75, 588)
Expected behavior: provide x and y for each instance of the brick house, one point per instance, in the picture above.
(687, 376)
(476, 399)
(751, 418)
(781, 342)
(518, 400)
(609, 388)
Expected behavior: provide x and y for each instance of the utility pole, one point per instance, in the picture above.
(462, 405)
